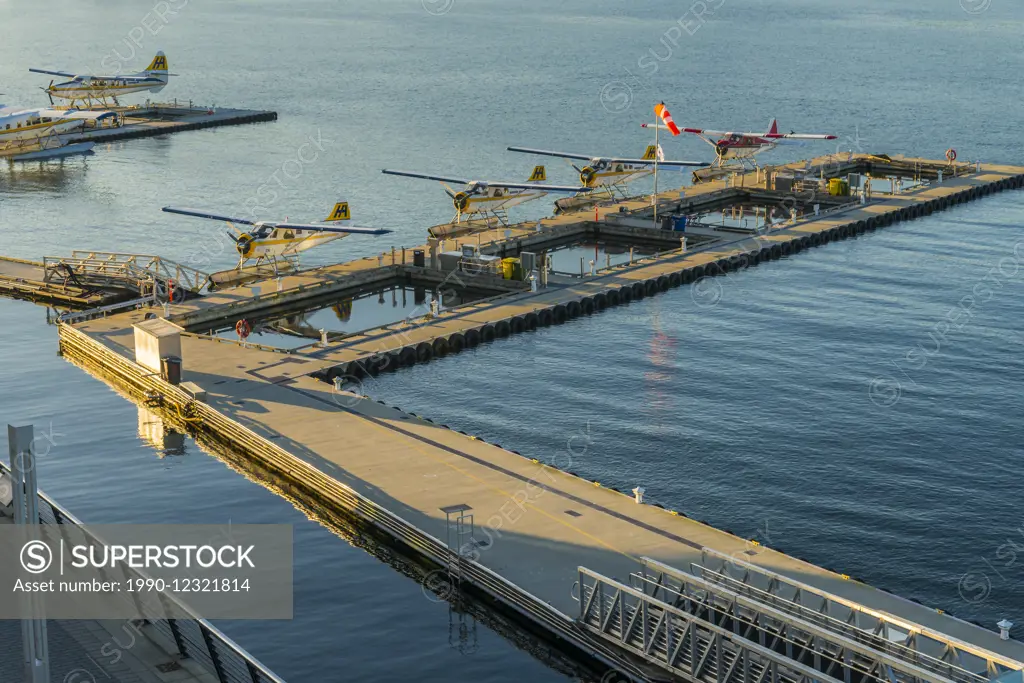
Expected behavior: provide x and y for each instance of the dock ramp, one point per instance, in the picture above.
(727, 621)
(143, 274)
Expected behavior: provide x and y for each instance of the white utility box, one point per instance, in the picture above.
(156, 339)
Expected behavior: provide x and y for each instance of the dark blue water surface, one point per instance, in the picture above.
(856, 405)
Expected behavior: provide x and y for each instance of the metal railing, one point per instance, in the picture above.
(194, 638)
(681, 641)
(712, 626)
(926, 647)
(142, 272)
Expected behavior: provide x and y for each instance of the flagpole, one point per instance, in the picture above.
(656, 148)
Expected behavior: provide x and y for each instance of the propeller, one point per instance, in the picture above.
(460, 200)
(243, 243)
(587, 176)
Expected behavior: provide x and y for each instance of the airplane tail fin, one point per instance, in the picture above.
(340, 212)
(158, 69)
(774, 128)
(539, 174)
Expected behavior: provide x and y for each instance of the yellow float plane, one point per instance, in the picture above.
(490, 197)
(269, 240)
(611, 173)
(98, 89)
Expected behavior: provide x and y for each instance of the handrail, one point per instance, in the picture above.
(218, 647)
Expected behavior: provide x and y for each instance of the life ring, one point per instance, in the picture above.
(243, 329)
(950, 155)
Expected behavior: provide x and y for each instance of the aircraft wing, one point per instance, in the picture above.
(536, 186)
(650, 162)
(700, 131)
(548, 153)
(424, 176)
(319, 227)
(65, 74)
(799, 136)
(206, 214)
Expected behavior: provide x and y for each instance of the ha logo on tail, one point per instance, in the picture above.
(268, 240)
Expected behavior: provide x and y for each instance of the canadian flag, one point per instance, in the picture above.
(661, 111)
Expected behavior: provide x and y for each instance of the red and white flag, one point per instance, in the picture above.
(661, 111)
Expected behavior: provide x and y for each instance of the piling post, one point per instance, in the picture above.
(392, 255)
(631, 256)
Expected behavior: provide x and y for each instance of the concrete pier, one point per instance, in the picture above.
(147, 121)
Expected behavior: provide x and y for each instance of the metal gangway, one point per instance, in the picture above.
(727, 621)
(150, 276)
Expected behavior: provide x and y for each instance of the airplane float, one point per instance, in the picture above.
(98, 89)
(489, 197)
(612, 173)
(743, 146)
(269, 240)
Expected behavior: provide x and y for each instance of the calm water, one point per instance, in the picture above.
(830, 403)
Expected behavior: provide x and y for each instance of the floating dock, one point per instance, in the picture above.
(161, 119)
(642, 589)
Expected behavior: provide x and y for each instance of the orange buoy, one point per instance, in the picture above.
(243, 329)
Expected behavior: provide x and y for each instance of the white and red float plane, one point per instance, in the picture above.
(743, 146)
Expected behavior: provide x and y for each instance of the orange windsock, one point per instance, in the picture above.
(661, 111)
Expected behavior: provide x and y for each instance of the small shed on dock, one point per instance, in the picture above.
(156, 339)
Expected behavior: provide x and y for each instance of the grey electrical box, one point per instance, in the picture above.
(529, 261)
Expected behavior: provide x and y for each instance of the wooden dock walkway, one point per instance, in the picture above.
(536, 524)
(22, 279)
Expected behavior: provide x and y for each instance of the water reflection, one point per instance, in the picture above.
(382, 307)
(159, 435)
(51, 175)
(577, 259)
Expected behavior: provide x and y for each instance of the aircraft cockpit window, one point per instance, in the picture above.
(289, 235)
